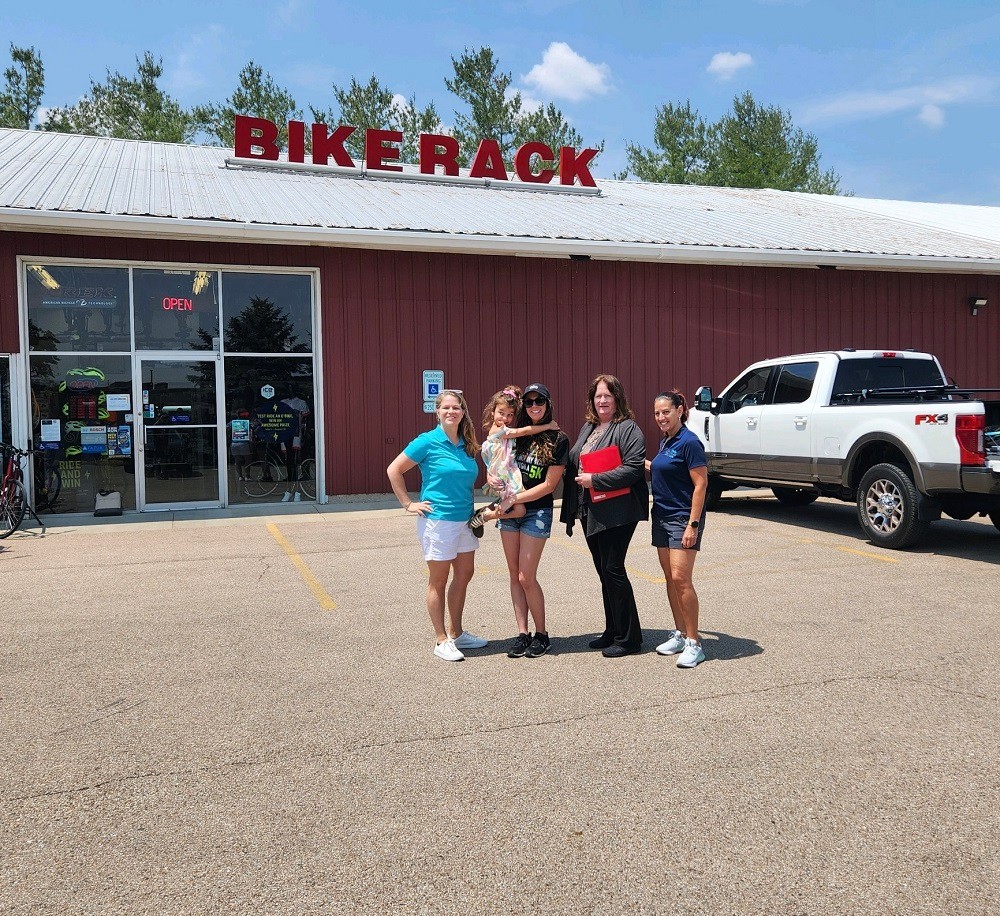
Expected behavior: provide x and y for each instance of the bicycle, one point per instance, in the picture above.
(13, 496)
(48, 481)
(261, 477)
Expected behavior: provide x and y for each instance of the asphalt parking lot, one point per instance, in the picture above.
(244, 715)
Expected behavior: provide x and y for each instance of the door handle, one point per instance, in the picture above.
(800, 421)
(751, 422)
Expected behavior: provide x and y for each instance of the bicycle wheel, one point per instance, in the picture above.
(260, 479)
(47, 497)
(13, 501)
(307, 477)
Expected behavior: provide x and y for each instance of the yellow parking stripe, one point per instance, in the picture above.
(865, 553)
(325, 601)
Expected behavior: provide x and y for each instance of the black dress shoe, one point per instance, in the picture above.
(602, 641)
(617, 651)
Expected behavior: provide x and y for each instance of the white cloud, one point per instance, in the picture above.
(725, 64)
(927, 101)
(565, 74)
(932, 115)
(529, 103)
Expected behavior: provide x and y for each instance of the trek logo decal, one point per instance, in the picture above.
(931, 419)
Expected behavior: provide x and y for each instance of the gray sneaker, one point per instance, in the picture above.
(673, 645)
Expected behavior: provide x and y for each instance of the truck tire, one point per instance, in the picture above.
(789, 496)
(995, 518)
(713, 494)
(887, 508)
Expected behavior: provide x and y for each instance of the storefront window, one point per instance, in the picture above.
(270, 429)
(267, 313)
(82, 423)
(176, 309)
(77, 308)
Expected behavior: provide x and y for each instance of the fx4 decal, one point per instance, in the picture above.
(931, 419)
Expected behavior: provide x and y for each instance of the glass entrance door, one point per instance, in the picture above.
(178, 431)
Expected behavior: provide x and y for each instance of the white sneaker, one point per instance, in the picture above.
(466, 640)
(448, 652)
(692, 656)
(297, 497)
(286, 497)
(673, 645)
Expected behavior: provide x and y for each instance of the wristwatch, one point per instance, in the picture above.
(694, 523)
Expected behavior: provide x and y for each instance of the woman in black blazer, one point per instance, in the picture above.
(609, 524)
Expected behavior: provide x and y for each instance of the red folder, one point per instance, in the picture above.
(604, 459)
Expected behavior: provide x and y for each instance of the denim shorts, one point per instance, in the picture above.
(535, 523)
(668, 531)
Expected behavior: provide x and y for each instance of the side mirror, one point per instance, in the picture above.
(703, 400)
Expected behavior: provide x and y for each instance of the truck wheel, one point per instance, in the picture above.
(789, 496)
(887, 508)
(713, 495)
(995, 518)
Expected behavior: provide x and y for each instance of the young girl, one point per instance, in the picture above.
(503, 478)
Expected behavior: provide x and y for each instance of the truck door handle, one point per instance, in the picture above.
(751, 422)
(800, 421)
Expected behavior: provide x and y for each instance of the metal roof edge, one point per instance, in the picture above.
(14, 219)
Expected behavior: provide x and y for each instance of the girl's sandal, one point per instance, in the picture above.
(476, 523)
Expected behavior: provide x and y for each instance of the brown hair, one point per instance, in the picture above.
(465, 429)
(511, 396)
(677, 399)
(622, 410)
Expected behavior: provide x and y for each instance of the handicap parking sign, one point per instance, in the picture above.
(433, 384)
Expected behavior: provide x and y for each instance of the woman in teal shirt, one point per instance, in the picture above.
(446, 457)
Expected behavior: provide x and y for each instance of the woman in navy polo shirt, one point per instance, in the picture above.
(446, 457)
(680, 479)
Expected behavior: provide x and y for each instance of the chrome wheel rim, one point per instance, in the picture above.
(884, 506)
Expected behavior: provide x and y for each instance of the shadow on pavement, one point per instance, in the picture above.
(947, 537)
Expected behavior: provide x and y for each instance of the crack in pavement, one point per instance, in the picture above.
(451, 736)
(118, 710)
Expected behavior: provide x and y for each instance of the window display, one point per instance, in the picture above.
(176, 309)
(77, 308)
(81, 429)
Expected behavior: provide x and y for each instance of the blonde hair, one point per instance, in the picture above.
(465, 429)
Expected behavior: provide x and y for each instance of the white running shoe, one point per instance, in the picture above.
(297, 497)
(448, 652)
(692, 656)
(466, 640)
(673, 645)
(286, 497)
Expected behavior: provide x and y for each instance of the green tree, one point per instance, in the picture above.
(24, 84)
(133, 108)
(257, 95)
(752, 146)
(493, 110)
(496, 111)
(373, 106)
(683, 141)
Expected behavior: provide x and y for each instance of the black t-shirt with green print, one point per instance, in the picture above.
(533, 468)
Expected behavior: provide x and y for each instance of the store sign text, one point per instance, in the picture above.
(257, 138)
(173, 304)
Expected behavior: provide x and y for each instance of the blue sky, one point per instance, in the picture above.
(904, 97)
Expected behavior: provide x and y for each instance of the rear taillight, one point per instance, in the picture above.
(970, 432)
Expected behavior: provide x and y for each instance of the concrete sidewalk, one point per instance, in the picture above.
(243, 715)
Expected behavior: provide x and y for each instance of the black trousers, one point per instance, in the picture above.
(621, 616)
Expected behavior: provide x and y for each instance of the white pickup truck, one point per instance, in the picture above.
(882, 428)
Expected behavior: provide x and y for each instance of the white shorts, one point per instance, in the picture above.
(443, 540)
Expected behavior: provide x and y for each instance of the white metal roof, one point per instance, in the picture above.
(65, 182)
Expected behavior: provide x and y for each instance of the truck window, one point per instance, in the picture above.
(748, 390)
(795, 382)
(853, 375)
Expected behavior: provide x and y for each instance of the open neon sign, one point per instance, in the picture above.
(174, 304)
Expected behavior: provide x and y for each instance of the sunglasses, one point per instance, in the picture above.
(531, 402)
